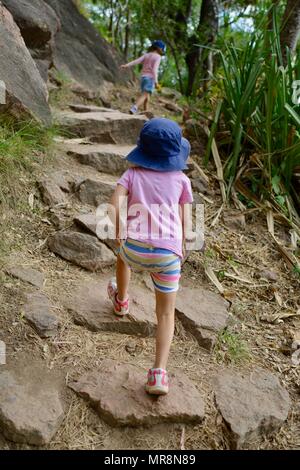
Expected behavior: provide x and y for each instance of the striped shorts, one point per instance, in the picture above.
(164, 265)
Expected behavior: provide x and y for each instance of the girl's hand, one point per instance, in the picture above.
(123, 66)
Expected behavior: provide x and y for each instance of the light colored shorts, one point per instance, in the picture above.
(147, 84)
(164, 265)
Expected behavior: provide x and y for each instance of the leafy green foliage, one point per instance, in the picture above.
(258, 110)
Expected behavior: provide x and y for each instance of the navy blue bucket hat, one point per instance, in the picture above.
(161, 147)
(161, 45)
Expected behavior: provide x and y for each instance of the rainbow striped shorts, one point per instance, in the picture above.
(164, 265)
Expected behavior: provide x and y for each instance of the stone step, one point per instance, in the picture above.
(39, 314)
(83, 108)
(101, 126)
(116, 392)
(90, 307)
(106, 158)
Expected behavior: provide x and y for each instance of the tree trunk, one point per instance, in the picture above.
(290, 28)
(197, 57)
(127, 33)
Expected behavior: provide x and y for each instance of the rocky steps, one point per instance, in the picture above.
(250, 405)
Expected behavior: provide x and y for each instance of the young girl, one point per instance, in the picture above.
(156, 190)
(149, 78)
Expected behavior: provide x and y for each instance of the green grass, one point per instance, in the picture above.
(231, 348)
(21, 145)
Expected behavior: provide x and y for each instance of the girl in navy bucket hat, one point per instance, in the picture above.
(151, 239)
(149, 76)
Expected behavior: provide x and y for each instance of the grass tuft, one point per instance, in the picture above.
(231, 348)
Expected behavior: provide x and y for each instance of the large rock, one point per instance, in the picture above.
(80, 51)
(95, 192)
(89, 222)
(203, 313)
(38, 24)
(38, 313)
(26, 274)
(30, 407)
(26, 92)
(91, 308)
(252, 404)
(116, 391)
(101, 126)
(81, 249)
(104, 158)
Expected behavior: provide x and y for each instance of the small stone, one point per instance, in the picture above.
(37, 311)
(116, 384)
(51, 192)
(251, 404)
(81, 249)
(30, 407)
(268, 275)
(26, 274)
(199, 185)
(131, 347)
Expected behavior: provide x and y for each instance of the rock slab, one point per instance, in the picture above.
(37, 311)
(26, 274)
(203, 313)
(91, 308)
(251, 405)
(81, 249)
(106, 127)
(116, 392)
(30, 410)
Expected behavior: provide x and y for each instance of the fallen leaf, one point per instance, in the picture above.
(31, 201)
(278, 298)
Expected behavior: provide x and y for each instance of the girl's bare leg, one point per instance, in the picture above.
(123, 278)
(146, 102)
(165, 312)
(141, 99)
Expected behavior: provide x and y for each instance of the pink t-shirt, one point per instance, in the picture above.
(153, 206)
(150, 62)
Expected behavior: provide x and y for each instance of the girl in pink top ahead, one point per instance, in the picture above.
(149, 76)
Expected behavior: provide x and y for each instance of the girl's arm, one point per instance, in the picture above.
(134, 62)
(114, 210)
(156, 67)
